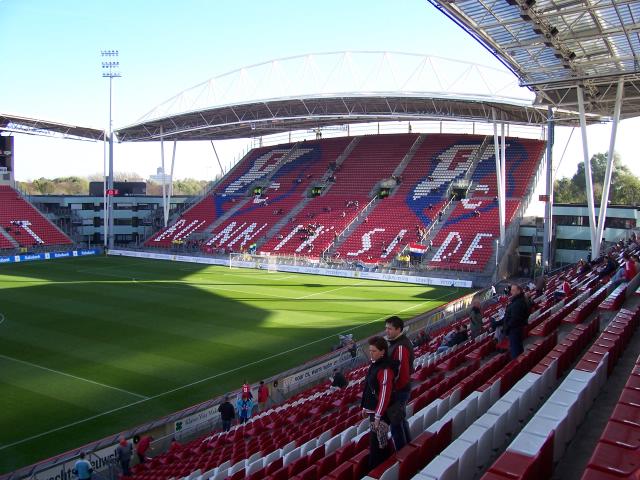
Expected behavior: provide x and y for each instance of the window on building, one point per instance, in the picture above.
(572, 244)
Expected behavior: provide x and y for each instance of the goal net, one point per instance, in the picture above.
(246, 260)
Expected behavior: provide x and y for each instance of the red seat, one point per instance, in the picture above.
(614, 460)
(342, 472)
(310, 473)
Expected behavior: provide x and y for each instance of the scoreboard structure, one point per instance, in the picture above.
(6, 159)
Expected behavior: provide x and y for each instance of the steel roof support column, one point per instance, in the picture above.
(548, 214)
(170, 193)
(165, 215)
(105, 214)
(496, 145)
(609, 172)
(215, 152)
(502, 203)
(587, 171)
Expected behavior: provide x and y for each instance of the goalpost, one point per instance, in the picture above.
(247, 260)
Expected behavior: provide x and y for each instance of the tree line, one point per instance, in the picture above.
(625, 186)
(74, 185)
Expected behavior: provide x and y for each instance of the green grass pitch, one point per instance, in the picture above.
(93, 346)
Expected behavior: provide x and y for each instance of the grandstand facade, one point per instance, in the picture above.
(267, 200)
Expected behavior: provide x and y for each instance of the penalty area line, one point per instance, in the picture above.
(35, 365)
(197, 382)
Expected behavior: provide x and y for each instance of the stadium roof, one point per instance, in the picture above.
(339, 88)
(280, 115)
(553, 45)
(31, 126)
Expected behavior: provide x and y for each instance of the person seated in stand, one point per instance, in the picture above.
(564, 291)
(630, 269)
(338, 380)
(610, 267)
(618, 277)
(453, 338)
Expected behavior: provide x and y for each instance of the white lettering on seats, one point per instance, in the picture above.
(171, 230)
(466, 203)
(288, 237)
(25, 224)
(366, 242)
(311, 239)
(225, 234)
(439, 254)
(443, 174)
(247, 234)
(475, 245)
(263, 166)
(393, 244)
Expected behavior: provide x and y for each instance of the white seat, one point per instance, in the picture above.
(272, 457)
(443, 406)
(291, 456)
(324, 436)
(195, 474)
(465, 452)
(484, 401)
(391, 473)
(483, 438)
(348, 434)
(457, 418)
(308, 447)
(333, 444)
(288, 447)
(221, 474)
(363, 426)
(236, 468)
(441, 468)
(252, 458)
(542, 427)
(416, 425)
(254, 466)
(470, 408)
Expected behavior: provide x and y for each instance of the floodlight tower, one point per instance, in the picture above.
(110, 70)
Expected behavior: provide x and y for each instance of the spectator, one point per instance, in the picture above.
(376, 397)
(618, 277)
(338, 380)
(246, 391)
(515, 318)
(175, 446)
(541, 284)
(610, 267)
(630, 269)
(401, 354)
(142, 447)
(263, 396)
(245, 409)
(227, 414)
(493, 290)
(82, 469)
(124, 450)
(475, 316)
(564, 291)
(453, 338)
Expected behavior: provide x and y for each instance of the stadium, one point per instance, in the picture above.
(378, 184)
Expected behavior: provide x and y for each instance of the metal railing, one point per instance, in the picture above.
(360, 214)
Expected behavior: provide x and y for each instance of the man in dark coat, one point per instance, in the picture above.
(227, 413)
(515, 318)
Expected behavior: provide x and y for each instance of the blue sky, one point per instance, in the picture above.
(50, 52)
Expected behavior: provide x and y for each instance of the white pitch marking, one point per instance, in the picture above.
(329, 291)
(35, 365)
(117, 409)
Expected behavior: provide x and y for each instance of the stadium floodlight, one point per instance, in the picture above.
(110, 70)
